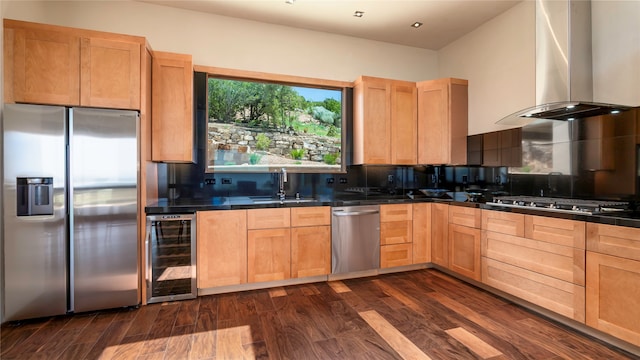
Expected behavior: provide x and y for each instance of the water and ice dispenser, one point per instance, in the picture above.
(35, 196)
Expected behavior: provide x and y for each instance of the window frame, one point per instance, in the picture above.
(288, 80)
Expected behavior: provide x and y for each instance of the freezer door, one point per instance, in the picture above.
(35, 247)
(103, 181)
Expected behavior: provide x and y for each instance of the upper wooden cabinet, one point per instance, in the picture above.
(474, 149)
(46, 64)
(442, 121)
(172, 108)
(109, 73)
(384, 124)
(502, 148)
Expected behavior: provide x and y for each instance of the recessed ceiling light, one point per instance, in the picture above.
(358, 13)
(416, 24)
(290, 2)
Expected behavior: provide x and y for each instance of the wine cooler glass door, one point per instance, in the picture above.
(171, 266)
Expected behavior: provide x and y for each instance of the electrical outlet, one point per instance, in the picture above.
(226, 181)
(390, 178)
(343, 180)
(330, 181)
(210, 181)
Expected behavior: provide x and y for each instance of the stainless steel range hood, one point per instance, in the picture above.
(564, 75)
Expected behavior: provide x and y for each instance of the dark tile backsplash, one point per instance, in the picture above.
(188, 181)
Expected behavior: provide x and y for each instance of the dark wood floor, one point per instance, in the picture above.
(420, 314)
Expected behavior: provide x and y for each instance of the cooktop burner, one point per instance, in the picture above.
(578, 206)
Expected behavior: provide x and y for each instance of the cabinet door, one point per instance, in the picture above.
(442, 121)
(491, 153)
(110, 73)
(612, 296)
(43, 65)
(440, 234)
(269, 254)
(172, 93)
(464, 251)
(395, 255)
(221, 248)
(404, 123)
(310, 251)
(474, 149)
(421, 233)
(372, 121)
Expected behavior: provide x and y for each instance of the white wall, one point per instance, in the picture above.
(234, 43)
(498, 59)
(616, 52)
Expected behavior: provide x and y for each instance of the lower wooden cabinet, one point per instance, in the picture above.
(221, 260)
(613, 292)
(310, 251)
(269, 254)
(545, 267)
(440, 234)
(395, 255)
(421, 233)
(613, 280)
(559, 296)
(464, 251)
(396, 235)
(503, 222)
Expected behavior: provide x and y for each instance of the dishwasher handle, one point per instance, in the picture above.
(355, 213)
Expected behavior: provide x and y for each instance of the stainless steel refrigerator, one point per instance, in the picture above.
(70, 210)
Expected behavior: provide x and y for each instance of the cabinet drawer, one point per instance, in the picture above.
(557, 261)
(268, 218)
(614, 240)
(396, 212)
(395, 255)
(557, 231)
(559, 296)
(503, 222)
(396, 232)
(311, 216)
(465, 216)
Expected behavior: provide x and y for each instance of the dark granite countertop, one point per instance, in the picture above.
(185, 206)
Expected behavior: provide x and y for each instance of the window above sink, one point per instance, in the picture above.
(262, 122)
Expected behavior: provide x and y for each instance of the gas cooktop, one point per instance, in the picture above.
(575, 206)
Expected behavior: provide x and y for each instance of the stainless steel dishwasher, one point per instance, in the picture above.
(355, 238)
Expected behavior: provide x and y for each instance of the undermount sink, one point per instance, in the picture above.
(278, 201)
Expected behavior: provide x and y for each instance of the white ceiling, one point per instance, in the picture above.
(384, 20)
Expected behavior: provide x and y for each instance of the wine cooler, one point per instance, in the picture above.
(171, 257)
